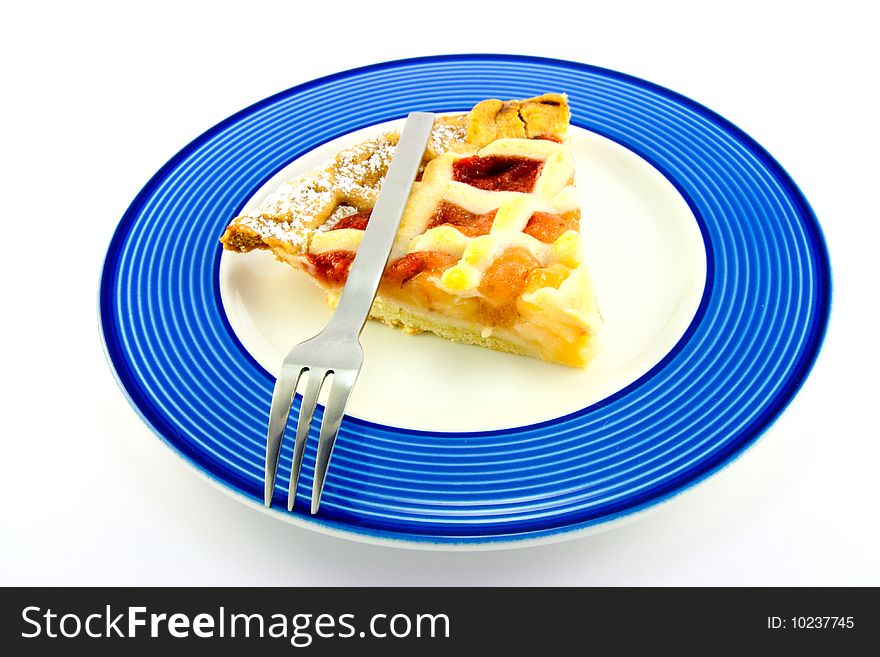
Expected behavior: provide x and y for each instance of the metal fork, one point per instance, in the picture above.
(336, 351)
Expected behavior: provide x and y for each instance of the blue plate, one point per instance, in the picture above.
(749, 348)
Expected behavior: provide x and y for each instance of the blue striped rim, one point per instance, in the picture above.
(748, 350)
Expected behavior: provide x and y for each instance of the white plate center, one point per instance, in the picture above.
(648, 263)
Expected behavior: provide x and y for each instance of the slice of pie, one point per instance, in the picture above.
(489, 249)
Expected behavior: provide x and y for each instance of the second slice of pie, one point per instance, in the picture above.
(489, 250)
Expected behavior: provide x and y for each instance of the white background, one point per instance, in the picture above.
(96, 97)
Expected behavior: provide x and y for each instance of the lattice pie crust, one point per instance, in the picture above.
(489, 250)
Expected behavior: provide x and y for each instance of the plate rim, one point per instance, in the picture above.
(806, 359)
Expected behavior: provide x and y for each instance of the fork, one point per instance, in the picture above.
(336, 351)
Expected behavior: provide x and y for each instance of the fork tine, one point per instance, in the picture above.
(340, 389)
(306, 411)
(282, 398)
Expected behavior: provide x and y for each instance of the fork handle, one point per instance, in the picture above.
(375, 248)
